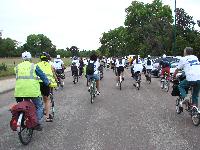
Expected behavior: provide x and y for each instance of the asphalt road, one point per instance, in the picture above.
(117, 120)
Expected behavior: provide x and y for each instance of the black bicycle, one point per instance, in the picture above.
(137, 77)
(74, 70)
(92, 90)
(101, 71)
(52, 105)
(148, 76)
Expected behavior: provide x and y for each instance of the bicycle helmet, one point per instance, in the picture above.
(44, 56)
(149, 56)
(26, 55)
(58, 57)
(164, 56)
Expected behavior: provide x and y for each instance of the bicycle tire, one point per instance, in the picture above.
(91, 95)
(77, 79)
(120, 85)
(74, 79)
(30, 133)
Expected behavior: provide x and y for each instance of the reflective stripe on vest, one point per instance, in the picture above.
(26, 77)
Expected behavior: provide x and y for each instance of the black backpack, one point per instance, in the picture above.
(148, 62)
(120, 61)
(90, 68)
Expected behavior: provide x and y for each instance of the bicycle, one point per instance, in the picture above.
(148, 76)
(52, 105)
(75, 78)
(187, 103)
(74, 73)
(101, 71)
(92, 90)
(138, 79)
(120, 81)
(165, 82)
(22, 120)
(61, 78)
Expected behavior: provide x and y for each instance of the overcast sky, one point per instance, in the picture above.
(71, 22)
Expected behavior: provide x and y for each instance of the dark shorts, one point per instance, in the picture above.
(120, 69)
(45, 90)
(59, 71)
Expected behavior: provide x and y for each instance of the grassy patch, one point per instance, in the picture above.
(12, 62)
(8, 72)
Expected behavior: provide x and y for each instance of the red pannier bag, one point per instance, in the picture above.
(29, 114)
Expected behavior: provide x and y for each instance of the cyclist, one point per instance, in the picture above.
(120, 64)
(92, 71)
(27, 84)
(148, 65)
(165, 65)
(137, 69)
(108, 62)
(75, 66)
(45, 90)
(59, 65)
(81, 65)
(191, 66)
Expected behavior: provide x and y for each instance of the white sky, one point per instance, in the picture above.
(70, 22)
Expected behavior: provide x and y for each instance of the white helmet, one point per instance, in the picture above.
(149, 56)
(164, 56)
(26, 55)
(58, 56)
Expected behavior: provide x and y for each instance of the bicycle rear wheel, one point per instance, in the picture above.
(74, 79)
(91, 95)
(166, 86)
(25, 134)
(52, 106)
(120, 85)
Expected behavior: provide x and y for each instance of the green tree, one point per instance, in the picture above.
(37, 44)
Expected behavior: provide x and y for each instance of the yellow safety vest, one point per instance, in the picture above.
(27, 83)
(46, 68)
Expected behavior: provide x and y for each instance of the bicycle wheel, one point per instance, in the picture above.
(91, 95)
(120, 85)
(195, 117)
(74, 79)
(149, 79)
(166, 86)
(25, 134)
(52, 106)
(179, 109)
(138, 85)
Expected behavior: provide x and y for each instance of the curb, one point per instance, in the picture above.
(6, 91)
(11, 89)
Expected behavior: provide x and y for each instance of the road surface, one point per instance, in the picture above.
(117, 120)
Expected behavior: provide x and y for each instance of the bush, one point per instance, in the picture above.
(3, 67)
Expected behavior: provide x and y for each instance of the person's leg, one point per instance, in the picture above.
(45, 90)
(39, 108)
(47, 106)
(195, 93)
(182, 86)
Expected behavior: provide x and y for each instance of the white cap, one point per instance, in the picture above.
(164, 56)
(58, 56)
(26, 55)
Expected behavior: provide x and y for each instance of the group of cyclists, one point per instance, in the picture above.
(34, 80)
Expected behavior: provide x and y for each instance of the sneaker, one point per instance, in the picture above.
(98, 93)
(38, 127)
(89, 89)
